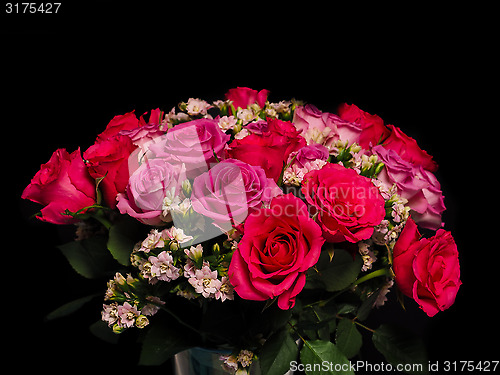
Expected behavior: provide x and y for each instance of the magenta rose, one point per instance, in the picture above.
(427, 269)
(414, 183)
(309, 153)
(63, 183)
(193, 143)
(269, 150)
(243, 97)
(279, 245)
(373, 130)
(349, 206)
(229, 191)
(119, 123)
(147, 188)
(109, 159)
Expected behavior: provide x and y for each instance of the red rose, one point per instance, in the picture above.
(373, 129)
(63, 183)
(349, 205)
(128, 121)
(407, 148)
(427, 269)
(279, 245)
(243, 97)
(109, 159)
(269, 150)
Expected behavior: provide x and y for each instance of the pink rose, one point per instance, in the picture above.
(278, 247)
(414, 183)
(349, 205)
(427, 270)
(407, 148)
(309, 153)
(311, 124)
(243, 97)
(63, 183)
(109, 159)
(193, 143)
(147, 188)
(230, 190)
(326, 128)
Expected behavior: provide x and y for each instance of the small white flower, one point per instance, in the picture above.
(246, 115)
(271, 112)
(227, 122)
(177, 234)
(110, 313)
(242, 134)
(197, 107)
(171, 199)
(382, 296)
(194, 253)
(366, 254)
(225, 291)
(205, 282)
(245, 357)
(153, 240)
(162, 267)
(181, 207)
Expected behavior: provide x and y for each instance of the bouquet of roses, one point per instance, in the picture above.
(265, 230)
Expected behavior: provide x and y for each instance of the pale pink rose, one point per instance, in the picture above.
(323, 127)
(414, 183)
(193, 143)
(147, 188)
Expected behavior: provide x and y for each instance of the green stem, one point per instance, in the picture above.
(371, 275)
(356, 322)
(362, 325)
(180, 320)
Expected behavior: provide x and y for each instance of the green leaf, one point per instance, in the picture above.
(338, 274)
(88, 257)
(123, 236)
(162, 341)
(322, 357)
(399, 346)
(277, 353)
(367, 305)
(348, 338)
(70, 307)
(101, 330)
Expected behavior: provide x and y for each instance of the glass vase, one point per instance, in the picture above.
(200, 361)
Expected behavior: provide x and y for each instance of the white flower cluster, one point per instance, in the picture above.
(167, 262)
(130, 306)
(238, 364)
(397, 212)
(230, 118)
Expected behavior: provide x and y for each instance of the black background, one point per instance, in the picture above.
(65, 75)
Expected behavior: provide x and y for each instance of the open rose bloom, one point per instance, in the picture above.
(250, 209)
